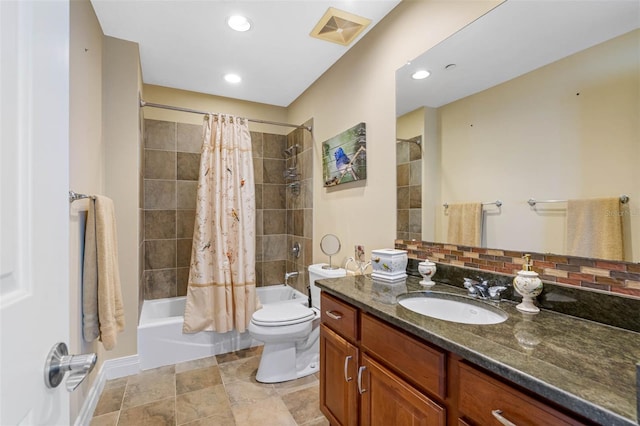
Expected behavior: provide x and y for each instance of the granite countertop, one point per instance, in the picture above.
(585, 366)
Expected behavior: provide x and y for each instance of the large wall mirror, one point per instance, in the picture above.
(534, 100)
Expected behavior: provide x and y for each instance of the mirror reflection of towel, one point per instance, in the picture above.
(594, 228)
(465, 224)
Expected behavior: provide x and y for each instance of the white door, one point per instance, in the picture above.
(34, 210)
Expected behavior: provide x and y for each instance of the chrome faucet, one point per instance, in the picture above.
(482, 290)
(288, 275)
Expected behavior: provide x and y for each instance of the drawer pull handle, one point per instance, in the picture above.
(360, 370)
(335, 316)
(498, 415)
(346, 364)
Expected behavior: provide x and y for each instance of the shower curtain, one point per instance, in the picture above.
(221, 293)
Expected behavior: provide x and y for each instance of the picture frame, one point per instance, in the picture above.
(344, 156)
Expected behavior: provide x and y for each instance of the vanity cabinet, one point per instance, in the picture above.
(355, 388)
(484, 400)
(372, 373)
(338, 369)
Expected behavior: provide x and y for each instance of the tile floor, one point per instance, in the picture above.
(219, 390)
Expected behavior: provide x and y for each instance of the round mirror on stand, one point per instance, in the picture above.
(330, 245)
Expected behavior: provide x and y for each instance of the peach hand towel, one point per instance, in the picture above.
(465, 224)
(101, 276)
(594, 228)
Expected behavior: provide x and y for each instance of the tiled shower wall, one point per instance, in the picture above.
(300, 208)
(172, 156)
(409, 190)
(171, 160)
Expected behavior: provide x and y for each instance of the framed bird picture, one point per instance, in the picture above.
(344, 156)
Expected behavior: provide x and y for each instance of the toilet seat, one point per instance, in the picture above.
(281, 315)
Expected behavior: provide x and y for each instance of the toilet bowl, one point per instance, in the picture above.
(291, 333)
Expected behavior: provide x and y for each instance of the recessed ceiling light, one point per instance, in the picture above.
(419, 75)
(232, 78)
(239, 23)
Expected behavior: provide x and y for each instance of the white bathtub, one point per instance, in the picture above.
(161, 341)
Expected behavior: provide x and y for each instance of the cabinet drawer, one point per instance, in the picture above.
(481, 395)
(339, 316)
(420, 364)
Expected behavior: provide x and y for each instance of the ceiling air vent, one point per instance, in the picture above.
(339, 26)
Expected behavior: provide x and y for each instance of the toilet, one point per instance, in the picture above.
(291, 334)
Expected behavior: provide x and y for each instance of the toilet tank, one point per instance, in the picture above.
(317, 272)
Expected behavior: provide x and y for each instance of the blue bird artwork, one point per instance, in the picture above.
(343, 163)
(344, 156)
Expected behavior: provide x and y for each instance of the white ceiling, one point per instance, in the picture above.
(187, 44)
(514, 38)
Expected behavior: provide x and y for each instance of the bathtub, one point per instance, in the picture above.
(161, 341)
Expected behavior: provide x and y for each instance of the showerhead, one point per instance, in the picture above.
(291, 151)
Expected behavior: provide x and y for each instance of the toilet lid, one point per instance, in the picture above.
(282, 314)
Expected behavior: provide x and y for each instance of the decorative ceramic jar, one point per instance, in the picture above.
(528, 285)
(427, 268)
(389, 264)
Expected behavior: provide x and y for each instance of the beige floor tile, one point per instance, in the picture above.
(244, 391)
(266, 412)
(219, 390)
(201, 378)
(303, 404)
(196, 364)
(147, 389)
(243, 353)
(296, 385)
(109, 419)
(202, 403)
(159, 413)
(242, 369)
(116, 383)
(110, 400)
(320, 421)
(220, 419)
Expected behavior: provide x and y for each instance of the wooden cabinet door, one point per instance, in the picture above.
(388, 400)
(338, 371)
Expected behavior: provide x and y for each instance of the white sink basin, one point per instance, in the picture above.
(452, 307)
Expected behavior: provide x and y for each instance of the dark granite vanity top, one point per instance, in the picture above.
(585, 366)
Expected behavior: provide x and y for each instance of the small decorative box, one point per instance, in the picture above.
(389, 264)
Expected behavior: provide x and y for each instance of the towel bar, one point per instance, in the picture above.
(73, 196)
(498, 203)
(624, 199)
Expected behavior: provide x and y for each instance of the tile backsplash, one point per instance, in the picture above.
(615, 277)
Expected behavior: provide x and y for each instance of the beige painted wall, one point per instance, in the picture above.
(535, 137)
(86, 168)
(104, 159)
(411, 124)
(211, 103)
(120, 129)
(360, 87)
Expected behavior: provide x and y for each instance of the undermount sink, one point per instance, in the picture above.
(452, 307)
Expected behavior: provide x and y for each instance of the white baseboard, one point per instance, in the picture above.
(110, 369)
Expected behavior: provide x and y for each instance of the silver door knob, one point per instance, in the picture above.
(59, 362)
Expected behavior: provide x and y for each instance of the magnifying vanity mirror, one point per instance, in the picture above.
(535, 99)
(330, 245)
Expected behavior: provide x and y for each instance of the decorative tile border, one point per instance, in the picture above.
(605, 275)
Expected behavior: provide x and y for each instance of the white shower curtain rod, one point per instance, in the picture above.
(195, 111)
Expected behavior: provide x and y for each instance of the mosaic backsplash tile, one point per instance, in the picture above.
(622, 278)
